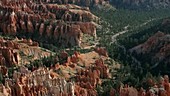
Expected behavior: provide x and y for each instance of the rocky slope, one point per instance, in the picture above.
(75, 75)
(142, 3)
(17, 52)
(157, 48)
(86, 72)
(57, 23)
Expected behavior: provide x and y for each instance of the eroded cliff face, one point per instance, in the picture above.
(78, 75)
(17, 52)
(60, 23)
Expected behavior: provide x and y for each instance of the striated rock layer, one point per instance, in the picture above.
(61, 24)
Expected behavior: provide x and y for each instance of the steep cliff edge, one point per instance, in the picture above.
(61, 24)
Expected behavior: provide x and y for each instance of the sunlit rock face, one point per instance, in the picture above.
(78, 75)
(38, 82)
(56, 21)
